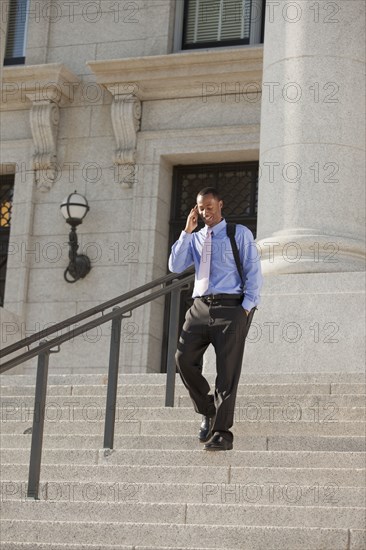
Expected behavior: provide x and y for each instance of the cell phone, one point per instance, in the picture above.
(199, 215)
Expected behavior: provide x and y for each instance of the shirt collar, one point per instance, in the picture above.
(216, 228)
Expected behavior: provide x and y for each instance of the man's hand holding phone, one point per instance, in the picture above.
(192, 220)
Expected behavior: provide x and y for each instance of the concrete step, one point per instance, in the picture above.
(176, 536)
(159, 389)
(30, 390)
(244, 443)
(261, 427)
(292, 480)
(251, 412)
(185, 427)
(8, 379)
(151, 457)
(252, 389)
(316, 443)
(322, 405)
(268, 493)
(50, 546)
(350, 477)
(191, 514)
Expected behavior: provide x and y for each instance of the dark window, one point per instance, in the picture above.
(15, 38)
(238, 186)
(212, 23)
(6, 203)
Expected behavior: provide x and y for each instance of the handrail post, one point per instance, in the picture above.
(110, 411)
(172, 347)
(38, 425)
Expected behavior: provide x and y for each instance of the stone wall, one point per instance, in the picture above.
(125, 233)
(126, 230)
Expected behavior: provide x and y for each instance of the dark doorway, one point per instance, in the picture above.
(238, 185)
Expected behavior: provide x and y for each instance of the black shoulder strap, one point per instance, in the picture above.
(230, 231)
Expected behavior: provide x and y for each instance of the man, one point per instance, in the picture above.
(220, 315)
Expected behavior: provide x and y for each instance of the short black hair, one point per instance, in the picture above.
(210, 191)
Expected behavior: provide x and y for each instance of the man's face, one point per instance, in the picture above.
(209, 208)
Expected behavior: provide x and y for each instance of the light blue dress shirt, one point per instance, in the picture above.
(224, 275)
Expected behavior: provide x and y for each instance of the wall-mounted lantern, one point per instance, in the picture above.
(74, 209)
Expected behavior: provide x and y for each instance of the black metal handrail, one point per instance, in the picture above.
(173, 284)
(90, 312)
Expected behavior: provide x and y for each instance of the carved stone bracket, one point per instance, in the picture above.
(46, 87)
(44, 119)
(126, 115)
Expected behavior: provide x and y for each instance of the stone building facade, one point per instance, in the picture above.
(112, 97)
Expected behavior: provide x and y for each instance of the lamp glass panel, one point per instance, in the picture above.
(74, 206)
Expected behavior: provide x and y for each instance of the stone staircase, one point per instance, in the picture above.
(295, 479)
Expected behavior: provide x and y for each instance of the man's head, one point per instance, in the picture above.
(209, 204)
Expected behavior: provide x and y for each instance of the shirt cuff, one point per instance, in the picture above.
(247, 304)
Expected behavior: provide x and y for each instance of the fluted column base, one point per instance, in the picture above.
(303, 250)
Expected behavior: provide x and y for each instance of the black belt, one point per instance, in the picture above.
(216, 299)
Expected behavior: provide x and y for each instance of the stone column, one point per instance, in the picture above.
(312, 189)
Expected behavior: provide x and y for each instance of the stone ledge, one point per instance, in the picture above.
(26, 83)
(182, 74)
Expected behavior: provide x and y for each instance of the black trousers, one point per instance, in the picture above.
(225, 327)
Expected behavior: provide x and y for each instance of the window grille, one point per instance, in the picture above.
(6, 203)
(237, 183)
(209, 23)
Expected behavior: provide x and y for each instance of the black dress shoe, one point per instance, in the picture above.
(206, 428)
(218, 443)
